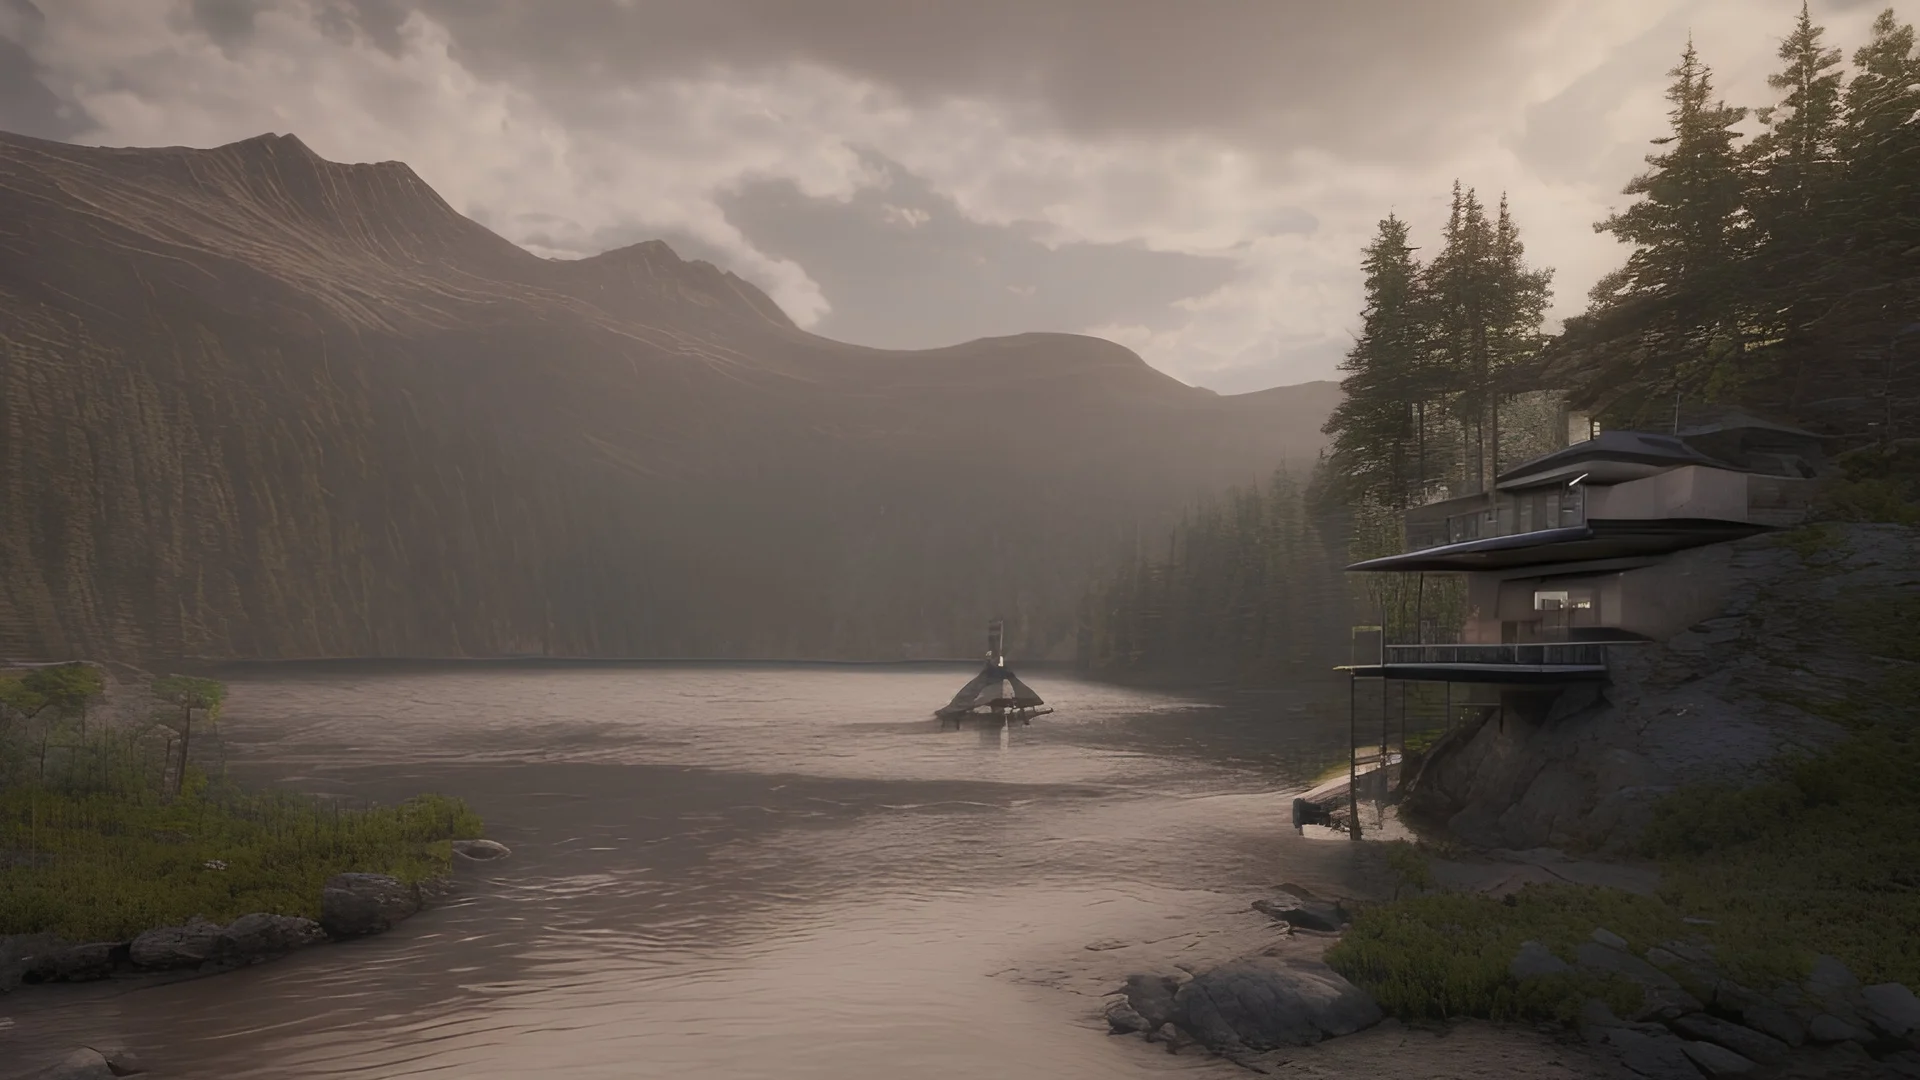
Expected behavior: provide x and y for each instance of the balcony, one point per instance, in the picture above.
(1535, 663)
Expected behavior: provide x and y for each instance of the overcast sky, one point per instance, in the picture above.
(1191, 178)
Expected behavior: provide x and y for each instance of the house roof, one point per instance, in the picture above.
(1601, 539)
(1741, 421)
(1609, 457)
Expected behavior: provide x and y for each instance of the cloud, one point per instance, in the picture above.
(1192, 180)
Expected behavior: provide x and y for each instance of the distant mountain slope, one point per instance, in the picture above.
(258, 404)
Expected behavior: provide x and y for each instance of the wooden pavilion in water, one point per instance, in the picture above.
(996, 693)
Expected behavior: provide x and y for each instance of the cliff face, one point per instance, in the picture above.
(1716, 703)
(258, 404)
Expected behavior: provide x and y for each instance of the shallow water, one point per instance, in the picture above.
(743, 872)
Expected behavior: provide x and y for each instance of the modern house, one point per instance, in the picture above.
(1604, 544)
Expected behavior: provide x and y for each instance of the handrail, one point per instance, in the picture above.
(1539, 654)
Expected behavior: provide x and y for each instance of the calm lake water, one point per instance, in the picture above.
(744, 872)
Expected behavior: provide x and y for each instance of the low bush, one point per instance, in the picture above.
(1445, 955)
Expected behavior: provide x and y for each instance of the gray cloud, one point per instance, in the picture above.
(1194, 180)
(27, 105)
(1296, 71)
(903, 268)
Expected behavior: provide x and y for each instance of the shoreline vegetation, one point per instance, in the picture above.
(126, 847)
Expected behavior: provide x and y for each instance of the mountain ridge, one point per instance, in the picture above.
(258, 404)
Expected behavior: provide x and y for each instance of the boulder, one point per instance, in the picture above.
(1744, 1041)
(73, 963)
(1302, 912)
(1151, 997)
(1892, 1008)
(1603, 936)
(1661, 992)
(1771, 1019)
(260, 936)
(1717, 1060)
(79, 1065)
(1830, 976)
(480, 850)
(169, 947)
(1535, 961)
(354, 905)
(1123, 1020)
(1263, 1004)
(1656, 1055)
(1828, 1028)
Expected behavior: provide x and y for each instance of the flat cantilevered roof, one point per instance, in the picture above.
(1603, 539)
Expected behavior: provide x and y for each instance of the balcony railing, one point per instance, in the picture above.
(1534, 654)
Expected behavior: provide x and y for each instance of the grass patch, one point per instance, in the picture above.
(106, 866)
(1446, 955)
(110, 828)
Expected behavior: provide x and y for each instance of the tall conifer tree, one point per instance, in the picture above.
(1376, 448)
(1669, 325)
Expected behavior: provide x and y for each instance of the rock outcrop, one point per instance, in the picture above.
(1714, 703)
(355, 905)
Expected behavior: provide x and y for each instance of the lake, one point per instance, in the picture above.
(735, 871)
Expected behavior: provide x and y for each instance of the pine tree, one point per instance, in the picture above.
(1462, 288)
(1377, 445)
(1669, 325)
(1881, 145)
(1520, 298)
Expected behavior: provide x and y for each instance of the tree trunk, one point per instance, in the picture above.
(186, 736)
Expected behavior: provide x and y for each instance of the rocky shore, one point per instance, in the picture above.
(352, 905)
(1284, 1011)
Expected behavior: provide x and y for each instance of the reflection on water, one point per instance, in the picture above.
(741, 872)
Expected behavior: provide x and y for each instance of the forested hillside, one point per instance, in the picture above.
(258, 404)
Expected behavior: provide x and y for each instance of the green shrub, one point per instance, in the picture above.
(1447, 954)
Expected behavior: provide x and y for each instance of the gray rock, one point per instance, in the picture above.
(1263, 1004)
(1717, 1060)
(1662, 994)
(1123, 1020)
(1742, 1040)
(1660, 1056)
(1906, 1063)
(353, 905)
(1770, 1019)
(1606, 960)
(170, 947)
(79, 1065)
(1610, 939)
(72, 963)
(1302, 912)
(260, 936)
(1175, 1039)
(1829, 975)
(1151, 996)
(1535, 961)
(1892, 1008)
(1828, 1028)
(480, 850)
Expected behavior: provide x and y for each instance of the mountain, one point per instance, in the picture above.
(258, 404)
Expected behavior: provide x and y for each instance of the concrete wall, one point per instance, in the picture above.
(1691, 491)
(1659, 600)
(1668, 597)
